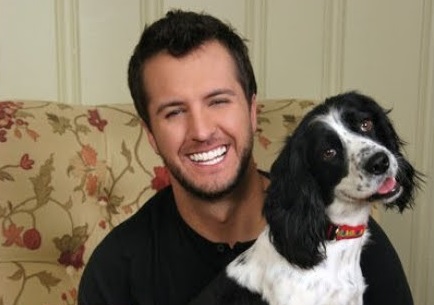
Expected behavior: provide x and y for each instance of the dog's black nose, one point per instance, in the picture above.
(377, 164)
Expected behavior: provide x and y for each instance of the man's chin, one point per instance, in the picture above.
(209, 193)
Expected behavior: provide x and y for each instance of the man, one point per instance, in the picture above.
(193, 84)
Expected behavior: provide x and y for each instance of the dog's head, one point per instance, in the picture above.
(344, 155)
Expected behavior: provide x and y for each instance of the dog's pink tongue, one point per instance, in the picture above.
(387, 186)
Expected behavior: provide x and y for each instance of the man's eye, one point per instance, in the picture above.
(219, 101)
(173, 113)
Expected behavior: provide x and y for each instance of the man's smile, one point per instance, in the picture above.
(209, 157)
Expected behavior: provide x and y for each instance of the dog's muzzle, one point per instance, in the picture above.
(377, 164)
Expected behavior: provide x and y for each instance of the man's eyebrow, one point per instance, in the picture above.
(219, 92)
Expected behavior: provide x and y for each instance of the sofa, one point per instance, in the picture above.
(70, 173)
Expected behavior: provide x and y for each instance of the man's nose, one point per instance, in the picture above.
(201, 125)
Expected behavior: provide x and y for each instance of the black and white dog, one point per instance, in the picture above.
(344, 156)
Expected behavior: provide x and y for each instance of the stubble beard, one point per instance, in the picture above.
(213, 193)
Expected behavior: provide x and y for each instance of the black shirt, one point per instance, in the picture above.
(154, 257)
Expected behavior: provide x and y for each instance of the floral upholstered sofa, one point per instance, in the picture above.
(70, 173)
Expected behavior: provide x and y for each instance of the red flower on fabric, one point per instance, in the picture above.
(7, 112)
(102, 224)
(13, 236)
(127, 209)
(264, 141)
(95, 120)
(26, 163)
(89, 155)
(85, 165)
(72, 293)
(91, 184)
(5, 121)
(72, 258)
(161, 179)
(7, 117)
(32, 239)
(3, 135)
(72, 247)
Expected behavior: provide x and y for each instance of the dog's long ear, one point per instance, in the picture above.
(409, 178)
(294, 208)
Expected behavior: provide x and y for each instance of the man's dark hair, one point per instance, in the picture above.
(179, 33)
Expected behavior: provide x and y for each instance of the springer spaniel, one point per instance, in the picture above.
(344, 156)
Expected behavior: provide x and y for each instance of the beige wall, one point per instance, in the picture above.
(76, 51)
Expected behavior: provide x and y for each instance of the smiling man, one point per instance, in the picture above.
(204, 132)
(193, 85)
(201, 123)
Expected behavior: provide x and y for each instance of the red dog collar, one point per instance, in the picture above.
(335, 232)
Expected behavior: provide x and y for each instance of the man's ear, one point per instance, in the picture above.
(151, 140)
(253, 113)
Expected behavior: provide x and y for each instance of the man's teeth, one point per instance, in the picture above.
(210, 157)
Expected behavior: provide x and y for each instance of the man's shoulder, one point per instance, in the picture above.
(161, 204)
(383, 271)
(377, 234)
(159, 209)
(127, 247)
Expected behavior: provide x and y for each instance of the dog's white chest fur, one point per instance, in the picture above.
(337, 280)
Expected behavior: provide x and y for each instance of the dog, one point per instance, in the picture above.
(343, 157)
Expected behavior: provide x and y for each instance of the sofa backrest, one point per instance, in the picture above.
(70, 173)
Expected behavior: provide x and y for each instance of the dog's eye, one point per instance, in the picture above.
(329, 154)
(366, 125)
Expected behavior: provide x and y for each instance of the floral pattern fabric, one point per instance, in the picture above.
(69, 174)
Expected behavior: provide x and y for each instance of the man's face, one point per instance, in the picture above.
(202, 125)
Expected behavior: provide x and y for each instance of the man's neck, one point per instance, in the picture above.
(235, 218)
